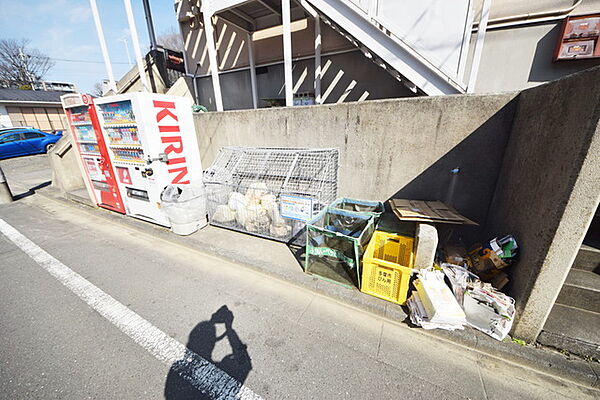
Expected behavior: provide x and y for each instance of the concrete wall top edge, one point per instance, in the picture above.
(504, 96)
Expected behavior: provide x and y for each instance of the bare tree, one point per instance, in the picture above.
(20, 66)
(171, 39)
(97, 90)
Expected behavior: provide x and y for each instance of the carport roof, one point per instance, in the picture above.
(29, 96)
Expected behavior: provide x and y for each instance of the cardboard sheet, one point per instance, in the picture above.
(427, 211)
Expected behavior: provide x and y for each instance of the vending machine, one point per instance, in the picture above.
(151, 143)
(89, 144)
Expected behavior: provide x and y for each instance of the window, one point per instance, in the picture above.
(32, 135)
(13, 137)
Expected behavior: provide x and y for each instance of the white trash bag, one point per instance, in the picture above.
(185, 206)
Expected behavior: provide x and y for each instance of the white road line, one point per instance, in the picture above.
(199, 372)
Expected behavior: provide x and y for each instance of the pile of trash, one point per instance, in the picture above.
(471, 302)
(467, 299)
(455, 287)
(432, 305)
(256, 211)
(489, 261)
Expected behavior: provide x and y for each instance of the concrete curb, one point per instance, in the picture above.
(542, 360)
(5, 193)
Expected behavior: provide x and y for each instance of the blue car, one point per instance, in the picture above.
(23, 142)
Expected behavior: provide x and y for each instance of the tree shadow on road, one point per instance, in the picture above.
(202, 341)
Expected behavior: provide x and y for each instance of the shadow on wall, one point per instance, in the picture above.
(466, 176)
(202, 341)
(345, 77)
(543, 69)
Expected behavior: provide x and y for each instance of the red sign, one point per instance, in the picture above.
(171, 138)
(124, 176)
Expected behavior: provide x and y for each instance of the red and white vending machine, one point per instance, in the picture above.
(91, 149)
(151, 143)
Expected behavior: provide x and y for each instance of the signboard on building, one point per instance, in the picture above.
(579, 38)
(174, 60)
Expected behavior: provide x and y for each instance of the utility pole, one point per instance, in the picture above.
(26, 75)
(150, 24)
(5, 194)
(124, 40)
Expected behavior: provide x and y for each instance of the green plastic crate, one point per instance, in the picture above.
(335, 242)
(374, 208)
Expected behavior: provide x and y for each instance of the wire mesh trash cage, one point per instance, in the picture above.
(270, 192)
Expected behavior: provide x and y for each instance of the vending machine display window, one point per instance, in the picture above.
(89, 143)
(579, 38)
(118, 113)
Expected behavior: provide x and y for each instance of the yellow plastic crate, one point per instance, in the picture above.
(387, 264)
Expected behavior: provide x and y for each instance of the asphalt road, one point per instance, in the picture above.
(62, 337)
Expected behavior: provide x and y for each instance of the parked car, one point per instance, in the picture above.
(13, 128)
(26, 141)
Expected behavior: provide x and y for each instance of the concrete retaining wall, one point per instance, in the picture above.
(403, 147)
(549, 189)
(66, 174)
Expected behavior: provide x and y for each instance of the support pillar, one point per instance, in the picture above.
(287, 52)
(252, 71)
(136, 45)
(105, 57)
(317, 19)
(212, 58)
(317, 60)
(483, 21)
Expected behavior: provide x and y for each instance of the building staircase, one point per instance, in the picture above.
(364, 25)
(574, 322)
(426, 45)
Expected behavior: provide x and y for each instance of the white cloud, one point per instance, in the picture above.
(79, 13)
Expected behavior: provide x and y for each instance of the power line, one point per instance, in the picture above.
(78, 61)
(84, 61)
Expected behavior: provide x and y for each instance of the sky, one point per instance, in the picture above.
(64, 30)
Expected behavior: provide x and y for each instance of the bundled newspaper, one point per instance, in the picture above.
(489, 310)
(486, 309)
(432, 305)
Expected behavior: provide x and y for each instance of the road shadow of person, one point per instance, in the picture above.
(202, 341)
